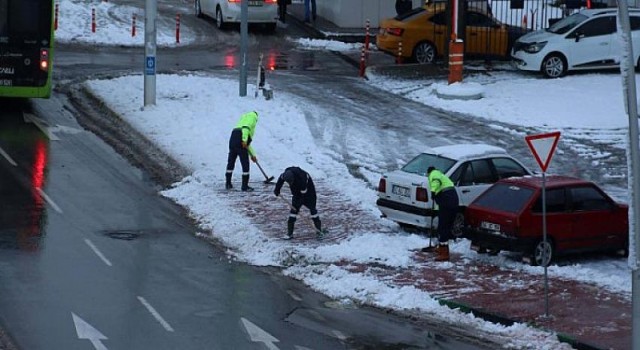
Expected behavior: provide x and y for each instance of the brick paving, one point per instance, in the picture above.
(583, 314)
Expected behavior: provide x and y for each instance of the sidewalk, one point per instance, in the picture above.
(581, 314)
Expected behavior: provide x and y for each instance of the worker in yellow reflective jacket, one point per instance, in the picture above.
(240, 146)
(446, 196)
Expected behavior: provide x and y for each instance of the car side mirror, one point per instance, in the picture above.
(579, 36)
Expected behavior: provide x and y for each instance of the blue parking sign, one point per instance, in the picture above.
(150, 65)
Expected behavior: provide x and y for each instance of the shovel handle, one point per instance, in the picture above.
(262, 171)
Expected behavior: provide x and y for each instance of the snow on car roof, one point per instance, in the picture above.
(467, 150)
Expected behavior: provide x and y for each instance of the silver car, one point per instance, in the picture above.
(404, 196)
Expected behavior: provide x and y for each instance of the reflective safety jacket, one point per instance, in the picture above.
(247, 124)
(439, 181)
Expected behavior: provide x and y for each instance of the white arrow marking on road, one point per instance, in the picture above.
(294, 296)
(86, 331)
(8, 158)
(97, 251)
(41, 124)
(258, 335)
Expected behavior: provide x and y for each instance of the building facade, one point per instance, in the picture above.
(354, 13)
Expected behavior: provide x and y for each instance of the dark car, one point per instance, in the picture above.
(579, 215)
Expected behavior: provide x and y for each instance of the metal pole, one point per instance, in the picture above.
(244, 33)
(151, 11)
(544, 238)
(627, 71)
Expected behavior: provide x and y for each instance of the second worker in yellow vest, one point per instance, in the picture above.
(446, 196)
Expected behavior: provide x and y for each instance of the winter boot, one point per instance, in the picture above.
(430, 249)
(245, 184)
(318, 226)
(228, 184)
(290, 225)
(443, 252)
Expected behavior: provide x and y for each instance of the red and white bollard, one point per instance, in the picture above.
(399, 58)
(93, 20)
(55, 19)
(178, 28)
(366, 37)
(362, 61)
(133, 25)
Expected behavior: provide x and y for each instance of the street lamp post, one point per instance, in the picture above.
(627, 71)
(244, 33)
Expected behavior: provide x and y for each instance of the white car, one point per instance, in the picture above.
(228, 11)
(404, 196)
(585, 40)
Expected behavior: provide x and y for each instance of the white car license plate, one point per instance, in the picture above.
(490, 226)
(400, 191)
(255, 3)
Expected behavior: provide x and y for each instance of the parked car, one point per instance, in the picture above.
(228, 11)
(423, 33)
(579, 216)
(404, 196)
(585, 40)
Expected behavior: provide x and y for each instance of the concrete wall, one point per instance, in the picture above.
(354, 13)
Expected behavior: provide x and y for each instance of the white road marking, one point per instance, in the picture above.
(339, 334)
(87, 331)
(97, 251)
(50, 201)
(7, 157)
(40, 124)
(155, 314)
(294, 296)
(258, 335)
(317, 315)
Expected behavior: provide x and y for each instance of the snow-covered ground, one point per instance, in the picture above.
(208, 107)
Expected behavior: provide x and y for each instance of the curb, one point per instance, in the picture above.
(505, 321)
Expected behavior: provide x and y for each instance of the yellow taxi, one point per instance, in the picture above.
(423, 34)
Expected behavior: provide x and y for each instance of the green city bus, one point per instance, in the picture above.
(26, 47)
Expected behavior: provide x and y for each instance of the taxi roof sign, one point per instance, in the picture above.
(543, 146)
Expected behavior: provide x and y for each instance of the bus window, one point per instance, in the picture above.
(24, 14)
(4, 14)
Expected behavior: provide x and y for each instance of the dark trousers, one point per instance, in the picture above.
(447, 209)
(282, 10)
(309, 10)
(308, 200)
(236, 150)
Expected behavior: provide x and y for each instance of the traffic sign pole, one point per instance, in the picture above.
(543, 146)
(151, 11)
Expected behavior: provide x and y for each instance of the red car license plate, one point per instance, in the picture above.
(490, 226)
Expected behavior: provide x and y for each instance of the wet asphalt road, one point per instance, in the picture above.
(92, 257)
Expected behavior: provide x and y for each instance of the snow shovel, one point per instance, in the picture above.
(431, 247)
(268, 179)
(319, 233)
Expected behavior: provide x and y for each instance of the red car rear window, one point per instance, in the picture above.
(504, 197)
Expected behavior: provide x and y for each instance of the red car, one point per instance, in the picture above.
(579, 215)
